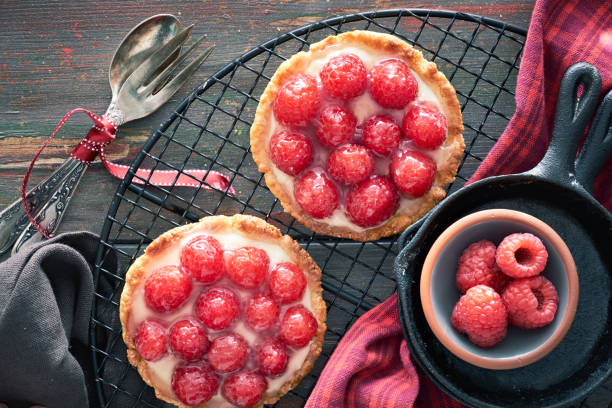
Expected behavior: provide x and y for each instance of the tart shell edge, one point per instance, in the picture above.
(249, 225)
(426, 70)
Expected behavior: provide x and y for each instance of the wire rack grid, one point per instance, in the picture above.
(210, 129)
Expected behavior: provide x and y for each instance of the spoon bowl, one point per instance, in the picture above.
(138, 45)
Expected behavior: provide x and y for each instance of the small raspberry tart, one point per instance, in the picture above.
(357, 109)
(223, 312)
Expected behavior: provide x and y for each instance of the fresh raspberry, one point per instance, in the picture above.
(194, 384)
(272, 357)
(412, 172)
(297, 101)
(188, 339)
(531, 302)
(228, 353)
(350, 164)
(286, 282)
(344, 76)
(244, 389)
(392, 84)
(297, 326)
(477, 267)
(247, 266)
(167, 288)
(202, 258)
(372, 201)
(481, 314)
(291, 152)
(425, 125)
(316, 194)
(521, 255)
(335, 126)
(217, 308)
(381, 134)
(151, 340)
(261, 313)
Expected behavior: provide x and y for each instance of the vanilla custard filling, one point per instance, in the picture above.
(363, 107)
(161, 370)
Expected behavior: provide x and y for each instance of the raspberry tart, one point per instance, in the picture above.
(224, 312)
(358, 136)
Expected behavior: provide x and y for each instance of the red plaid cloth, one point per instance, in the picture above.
(371, 366)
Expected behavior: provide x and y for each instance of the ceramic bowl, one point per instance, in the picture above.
(439, 293)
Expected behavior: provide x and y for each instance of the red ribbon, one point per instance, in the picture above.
(101, 134)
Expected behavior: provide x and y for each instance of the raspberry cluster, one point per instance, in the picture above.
(366, 166)
(228, 287)
(502, 285)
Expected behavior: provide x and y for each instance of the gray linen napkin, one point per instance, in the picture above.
(45, 302)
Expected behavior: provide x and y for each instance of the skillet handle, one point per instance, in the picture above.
(597, 146)
(404, 262)
(571, 118)
(410, 231)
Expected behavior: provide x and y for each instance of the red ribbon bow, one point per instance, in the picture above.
(101, 134)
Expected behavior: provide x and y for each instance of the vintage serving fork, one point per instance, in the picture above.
(140, 81)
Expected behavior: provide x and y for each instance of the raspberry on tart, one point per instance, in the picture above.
(151, 340)
(225, 343)
(217, 308)
(188, 339)
(244, 389)
(425, 125)
(167, 288)
(297, 101)
(272, 357)
(228, 353)
(335, 126)
(316, 194)
(412, 172)
(202, 258)
(261, 313)
(344, 76)
(297, 326)
(194, 384)
(381, 134)
(378, 96)
(372, 202)
(291, 152)
(350, 164)
(392, 84)
(247, 266)
(286, 282)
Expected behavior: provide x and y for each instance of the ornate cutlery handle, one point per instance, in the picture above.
(13, 219)
(52, 212)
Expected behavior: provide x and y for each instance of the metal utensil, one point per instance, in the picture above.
(140, 82)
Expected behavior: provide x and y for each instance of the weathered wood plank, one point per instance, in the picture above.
(54, 56)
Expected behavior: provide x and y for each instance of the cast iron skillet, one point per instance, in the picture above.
(557, 191)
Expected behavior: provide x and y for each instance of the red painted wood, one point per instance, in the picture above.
(54, 56)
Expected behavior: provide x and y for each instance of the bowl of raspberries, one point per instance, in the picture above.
(499, 289)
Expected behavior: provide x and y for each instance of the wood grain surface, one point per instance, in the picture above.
(54, 56)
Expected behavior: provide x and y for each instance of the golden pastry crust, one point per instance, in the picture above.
(426, 70)
(252, 227)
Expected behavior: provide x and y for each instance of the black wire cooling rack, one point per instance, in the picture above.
(210, 129)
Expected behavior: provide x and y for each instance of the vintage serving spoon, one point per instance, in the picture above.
(139, 79)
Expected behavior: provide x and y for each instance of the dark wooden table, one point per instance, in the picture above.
(54, 56)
